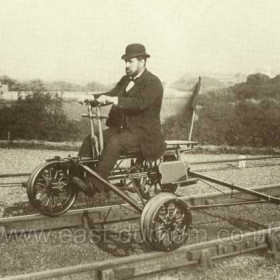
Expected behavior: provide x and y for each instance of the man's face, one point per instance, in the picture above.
(133, 66)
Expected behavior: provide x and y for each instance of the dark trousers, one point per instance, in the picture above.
(116, 142)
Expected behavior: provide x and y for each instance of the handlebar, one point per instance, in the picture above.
(97, 142)
(93, 103)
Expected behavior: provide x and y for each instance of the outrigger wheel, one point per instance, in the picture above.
(165, 222)
(49, 189)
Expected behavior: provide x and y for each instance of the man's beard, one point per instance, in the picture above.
(131, 74)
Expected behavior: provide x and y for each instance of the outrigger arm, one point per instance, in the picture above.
(115, 189)
(268, 198)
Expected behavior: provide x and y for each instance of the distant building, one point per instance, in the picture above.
(3, 89)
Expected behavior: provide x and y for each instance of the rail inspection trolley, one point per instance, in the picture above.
(165, 218)
(148, 187)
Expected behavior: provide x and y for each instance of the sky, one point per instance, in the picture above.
(83, 40)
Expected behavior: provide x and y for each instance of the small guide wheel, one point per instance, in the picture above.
(148, 183)
(165, 222)
(49, 189)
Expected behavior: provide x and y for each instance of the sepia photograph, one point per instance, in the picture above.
(139, 139)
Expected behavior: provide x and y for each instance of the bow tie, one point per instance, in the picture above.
(133, 78)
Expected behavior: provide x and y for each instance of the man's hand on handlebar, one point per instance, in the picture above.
(102, 99)
(84, 100)
(88, 99)
(105, 99)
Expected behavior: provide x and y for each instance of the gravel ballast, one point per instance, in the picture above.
(55, 249)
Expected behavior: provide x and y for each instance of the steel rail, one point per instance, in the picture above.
(11, 175)
(73, 218)
(154, 262)
(233, 160)
(117, 213)
(231, 167)
(9, 184)
(198, 207)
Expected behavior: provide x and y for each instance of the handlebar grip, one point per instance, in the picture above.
(95, 103)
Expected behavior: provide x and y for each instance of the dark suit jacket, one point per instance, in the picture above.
(141, 106)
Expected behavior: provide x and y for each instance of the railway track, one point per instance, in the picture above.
(145, 264)
(119, 213)
(194, 164)
(203, 254)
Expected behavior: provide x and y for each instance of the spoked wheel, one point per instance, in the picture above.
(49, 189)
(165, 222)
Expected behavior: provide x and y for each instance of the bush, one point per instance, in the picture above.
(38, 116)
(246, 114)
(243, 123)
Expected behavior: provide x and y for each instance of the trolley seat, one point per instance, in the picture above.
(171, 147)
(180, 144)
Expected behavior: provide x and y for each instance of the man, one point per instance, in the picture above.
(134, 119)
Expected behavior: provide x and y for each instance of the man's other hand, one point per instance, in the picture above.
(84, 100)
(105, 99)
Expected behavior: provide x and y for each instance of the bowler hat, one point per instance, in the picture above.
(135, 50)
